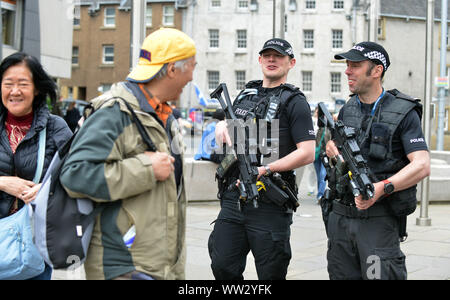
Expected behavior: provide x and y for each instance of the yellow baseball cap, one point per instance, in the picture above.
(159, 48)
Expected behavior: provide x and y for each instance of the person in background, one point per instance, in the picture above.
(208, 144)
(72, 116)
(322, 137)
(25, 87)
(142, 192)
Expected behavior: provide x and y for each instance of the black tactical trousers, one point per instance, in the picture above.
(264, 230)
(364, 248)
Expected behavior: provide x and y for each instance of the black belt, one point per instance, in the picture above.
(377, 210)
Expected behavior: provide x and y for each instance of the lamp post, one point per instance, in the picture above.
(443, 71)
(424, 220)
(274, 17)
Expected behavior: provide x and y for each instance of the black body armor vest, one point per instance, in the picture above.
(250, 104)
(376, 137)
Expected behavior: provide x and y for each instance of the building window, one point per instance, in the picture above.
(104, 87)
(338, 4)
(9, 19)
(76, 15)
(213, 79)
(448, 40)
(308, 39)
(75, 53)
(241, 39)
(307, 81)
(168, 15)
(148, 15)
(335, 82)
(213, 38)
(242, 4)
(240, 80)
(108, 54)
(310, 4)
(215, 3)
(337, 39)
(110, 17)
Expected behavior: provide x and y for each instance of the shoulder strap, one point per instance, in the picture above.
(151, 146)
(293, 90)
(41, 155)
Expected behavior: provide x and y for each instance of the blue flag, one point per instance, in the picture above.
(201, 99)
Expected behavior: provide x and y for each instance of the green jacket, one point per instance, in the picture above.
(107, 164)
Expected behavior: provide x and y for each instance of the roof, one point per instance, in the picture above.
(416, 9)
(123, 3)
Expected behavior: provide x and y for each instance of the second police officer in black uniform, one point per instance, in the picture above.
(265, 229)
(364, 235)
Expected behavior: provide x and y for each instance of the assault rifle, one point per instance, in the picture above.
(357, 173)
(246, 159)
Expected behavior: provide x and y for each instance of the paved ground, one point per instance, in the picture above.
(427, 248)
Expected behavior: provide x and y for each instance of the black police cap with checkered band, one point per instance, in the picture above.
(367, 51)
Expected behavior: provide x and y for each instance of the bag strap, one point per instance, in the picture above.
(151, 146)
(41, 155)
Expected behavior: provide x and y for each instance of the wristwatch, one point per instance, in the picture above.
(388, 187)
(268, 171)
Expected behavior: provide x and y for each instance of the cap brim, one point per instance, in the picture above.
(351, 56)
(144, 73)
(274, 47)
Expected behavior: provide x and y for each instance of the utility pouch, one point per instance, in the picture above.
(326, 204)
(403, 203)
(227, 164)
(272, 192)
(379, 141)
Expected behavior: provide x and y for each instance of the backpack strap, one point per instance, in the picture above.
(151, 146)
(41, 155)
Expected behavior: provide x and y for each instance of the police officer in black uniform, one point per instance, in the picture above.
(265, 229)
(364, 235)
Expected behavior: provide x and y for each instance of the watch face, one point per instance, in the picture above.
(389, 188)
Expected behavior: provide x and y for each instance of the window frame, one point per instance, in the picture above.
(339, 41)
(166, 15)
(76, 55)
(240, 76)
(335, 86)
(310, 4)
(107, 17)
(338, 2)
(105, 55)
(214, 39)
(307, 81)
(16, 26)
(241, 41)
(307, 39)
(148, 17)
(212, 82)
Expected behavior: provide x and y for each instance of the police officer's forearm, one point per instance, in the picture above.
(414, 172)
(303, 155)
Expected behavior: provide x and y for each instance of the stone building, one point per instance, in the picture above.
(101, 52)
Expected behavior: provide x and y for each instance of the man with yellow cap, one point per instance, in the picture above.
(140, 233)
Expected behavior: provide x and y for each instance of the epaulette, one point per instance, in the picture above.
(290, 87)
(399, 94)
